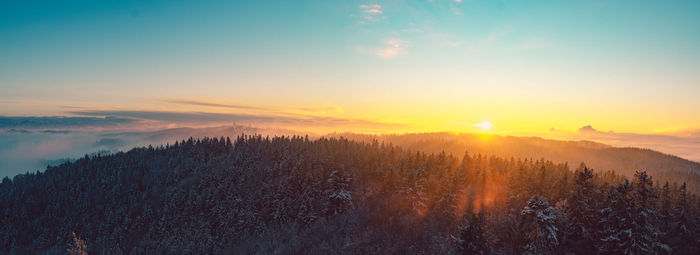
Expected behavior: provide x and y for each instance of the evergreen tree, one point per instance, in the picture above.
(472, 239)
(645, 233)
(681, 237)
(339, 197)
(616, 221)
(581, 211)
(541, 223)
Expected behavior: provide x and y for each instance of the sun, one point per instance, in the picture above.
(485, 125)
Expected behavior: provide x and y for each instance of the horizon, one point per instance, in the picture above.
(26, 150)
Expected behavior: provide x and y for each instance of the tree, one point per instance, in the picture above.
(681, 237)
(339, 198)
(644, 231)
(616, 221)
(581, 211)
(472, 239)
(541, 222)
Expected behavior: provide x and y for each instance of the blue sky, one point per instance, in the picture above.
(423, 63)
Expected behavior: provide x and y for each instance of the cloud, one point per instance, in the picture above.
(391, 48)
(412, 30)
(587, 128)
(60, 122)
(212, 104)
(24, 102)
(395, 47)
(169, 116)
(220, 118)
(370, 13)
(370, 6)
(322, 109)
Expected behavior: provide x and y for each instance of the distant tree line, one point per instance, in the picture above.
(292, 195)
(624, 161)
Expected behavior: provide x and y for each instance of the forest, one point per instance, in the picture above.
(623, 160)
(295, 195)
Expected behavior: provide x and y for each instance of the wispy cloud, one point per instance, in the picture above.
(221, 118)
(370, 6)
(412, 30)
(308, 111)
(212, 104)
(24, 102)
(394, 47)
(32, 122)
(322, 109)
(377, 11)
(370, 13)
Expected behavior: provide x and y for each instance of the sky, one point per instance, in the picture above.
(526, 67)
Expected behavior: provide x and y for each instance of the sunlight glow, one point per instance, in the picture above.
(485, 125)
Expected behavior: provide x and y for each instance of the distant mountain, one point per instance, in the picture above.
(598, 156)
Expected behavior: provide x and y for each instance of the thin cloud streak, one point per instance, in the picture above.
(24, 102)
(211, 104)
(33, 122)
(217, 118)
(258, 109)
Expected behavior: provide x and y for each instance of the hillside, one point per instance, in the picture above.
(334, 196)
(598, 156)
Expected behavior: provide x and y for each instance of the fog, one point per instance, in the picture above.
(30, 144)
(27, 150)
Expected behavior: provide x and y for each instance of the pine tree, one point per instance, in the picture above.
(339, 198)
(681, 238)
(541, 223)
(645, 234)
(581, 211)
(472, 239)
(665, 216)
(616, 221)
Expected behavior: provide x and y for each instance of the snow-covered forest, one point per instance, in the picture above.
(292, 195)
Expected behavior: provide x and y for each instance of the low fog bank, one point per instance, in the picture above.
(29, 150)
(31, 145)
(684, 146)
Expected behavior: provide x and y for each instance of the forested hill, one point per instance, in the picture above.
(334, 196)
(599, 156)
